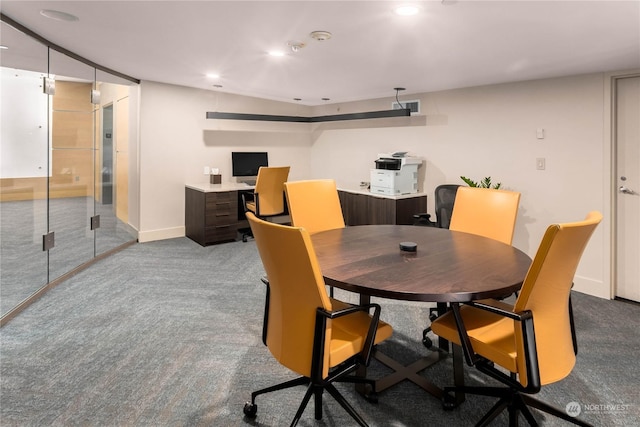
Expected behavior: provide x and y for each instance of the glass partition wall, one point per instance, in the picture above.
(64, 169)
(24, 159)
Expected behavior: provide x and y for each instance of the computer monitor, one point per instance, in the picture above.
(247, 163)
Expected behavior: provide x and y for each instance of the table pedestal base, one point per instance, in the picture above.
(410, 372)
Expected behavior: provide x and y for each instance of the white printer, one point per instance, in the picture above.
(395, 174)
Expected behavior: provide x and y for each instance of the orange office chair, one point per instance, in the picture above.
(314, 205)
(534, 340)
(268, 195)
(321, 339)
(485, 212)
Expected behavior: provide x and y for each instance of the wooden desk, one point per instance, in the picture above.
(448, 266)
(214, 212)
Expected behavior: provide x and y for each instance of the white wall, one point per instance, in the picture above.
(491, 131)
(177, 142)
(476, 132)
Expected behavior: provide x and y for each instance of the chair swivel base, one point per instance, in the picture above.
(251, 408)
(246, 233)
(511, 400)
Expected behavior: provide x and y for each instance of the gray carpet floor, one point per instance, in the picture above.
(169, 334)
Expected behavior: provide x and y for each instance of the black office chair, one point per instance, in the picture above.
(445, 197)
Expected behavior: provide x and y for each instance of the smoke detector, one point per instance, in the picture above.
(320, 35)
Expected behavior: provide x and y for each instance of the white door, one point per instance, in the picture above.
(628, 187)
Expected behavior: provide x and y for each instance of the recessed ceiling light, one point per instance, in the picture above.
(58, 16)
(213, 75)
(406, 10)
(3, 47)
(276, 53)
(217, 86)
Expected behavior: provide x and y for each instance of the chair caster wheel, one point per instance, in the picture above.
(371, 397)
(426, 341)
(244, 239)
(448, 402)
(250, 410)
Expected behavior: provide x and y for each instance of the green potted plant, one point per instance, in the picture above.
(485, 183)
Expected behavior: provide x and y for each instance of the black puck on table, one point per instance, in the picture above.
(408, 246)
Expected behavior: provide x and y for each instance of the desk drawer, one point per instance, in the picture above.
(223, 196)
(220, 209)
(222, 204)
(218, 217)
(220, 233)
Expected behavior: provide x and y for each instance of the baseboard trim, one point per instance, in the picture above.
(163, 234)
(592, 287)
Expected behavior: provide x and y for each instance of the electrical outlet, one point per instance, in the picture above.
(206, 170)
(540, 163)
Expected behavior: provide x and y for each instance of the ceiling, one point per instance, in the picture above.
(449, 44)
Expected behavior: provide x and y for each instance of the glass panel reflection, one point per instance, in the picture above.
(24, 152)
(71, 187)
(112, 164)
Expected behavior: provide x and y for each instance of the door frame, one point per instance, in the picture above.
(610, 159)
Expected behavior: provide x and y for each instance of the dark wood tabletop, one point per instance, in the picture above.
(448, 266)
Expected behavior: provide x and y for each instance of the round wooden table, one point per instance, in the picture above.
(448, 266)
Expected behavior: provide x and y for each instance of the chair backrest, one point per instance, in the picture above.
(296, 289)
(546, 291)
(445, 198)
(486, 212)
(269, 190)
(314, 205)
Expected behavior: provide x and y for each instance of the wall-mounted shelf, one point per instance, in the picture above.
(404, 112)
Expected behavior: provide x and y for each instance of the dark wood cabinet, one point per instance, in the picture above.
(366, 209)
(215, 214)
(211, 217)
